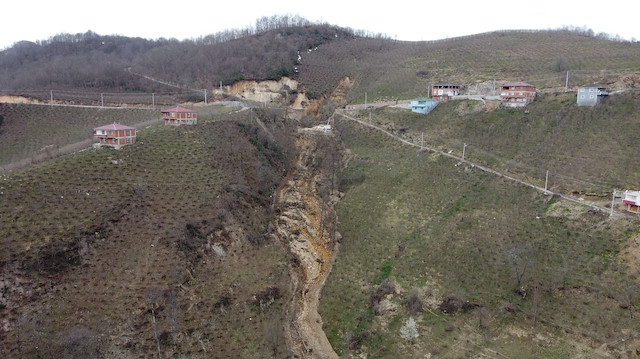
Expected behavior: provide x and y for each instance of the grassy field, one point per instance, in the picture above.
(585, 149)
(95, 243)
(437, 230)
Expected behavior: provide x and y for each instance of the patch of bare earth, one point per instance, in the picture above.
(306, 227)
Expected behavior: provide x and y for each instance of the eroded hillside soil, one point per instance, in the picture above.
(306, 227)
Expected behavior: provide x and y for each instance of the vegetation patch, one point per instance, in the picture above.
(464, 255)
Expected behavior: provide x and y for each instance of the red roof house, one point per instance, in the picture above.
(179, 116)
(517, 94)
(114, 135)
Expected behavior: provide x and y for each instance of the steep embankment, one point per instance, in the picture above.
(306, 227)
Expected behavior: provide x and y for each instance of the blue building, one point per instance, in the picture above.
(423, 105)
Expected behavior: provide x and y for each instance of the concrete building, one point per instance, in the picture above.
(444, 91)
(591, 95)
(179, 116)
(114, 136)
(517, 94)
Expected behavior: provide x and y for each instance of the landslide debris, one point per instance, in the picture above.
(306, 227)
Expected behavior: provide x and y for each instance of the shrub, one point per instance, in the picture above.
(414, 303)
(386, 287)
(409, 330)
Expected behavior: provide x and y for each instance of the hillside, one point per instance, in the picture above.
(95, 63)
(485, 267)
(386, 69)
(257, 233)
(31, 133)
(585, 149)
(162, 243)
(381, 67)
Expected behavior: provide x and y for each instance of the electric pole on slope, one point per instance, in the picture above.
(546, 182)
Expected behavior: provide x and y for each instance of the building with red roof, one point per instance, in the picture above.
(179, 116)
(114, 135)
(517, 94)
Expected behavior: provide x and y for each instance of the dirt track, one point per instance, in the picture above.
(306, 228)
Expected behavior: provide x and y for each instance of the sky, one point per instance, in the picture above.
(399, 19)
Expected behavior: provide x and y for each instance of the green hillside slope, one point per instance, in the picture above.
(447, 245)
(585, 149)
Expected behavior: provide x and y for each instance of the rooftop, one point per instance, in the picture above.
(445, 84)
(114, 126)
(518, 83)
(179, 109)
(594, 86)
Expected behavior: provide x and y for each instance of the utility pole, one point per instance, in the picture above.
(613, 198)
(546, 181)
(205, 96)
(101, 100)
(220, 85)
(51, 93)
(369, 117)
(566, 83)
(153, 100)
(464, 149)
(494, 88)
(422, 143)
(365, 100)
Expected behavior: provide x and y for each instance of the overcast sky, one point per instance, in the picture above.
(399, 19)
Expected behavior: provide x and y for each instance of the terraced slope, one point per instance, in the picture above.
(158, 247)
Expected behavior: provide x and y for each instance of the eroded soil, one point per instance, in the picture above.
(306, 227)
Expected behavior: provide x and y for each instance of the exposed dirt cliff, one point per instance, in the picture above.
(306, 227)
(284, 90)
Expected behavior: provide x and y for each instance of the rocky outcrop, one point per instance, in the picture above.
(284, 90)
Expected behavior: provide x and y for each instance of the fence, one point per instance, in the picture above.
(109, 99)
(594, 193)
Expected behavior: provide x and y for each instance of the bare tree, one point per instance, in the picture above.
(519, 258)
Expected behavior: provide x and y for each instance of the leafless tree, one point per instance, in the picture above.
(81, 343)
(520, 259)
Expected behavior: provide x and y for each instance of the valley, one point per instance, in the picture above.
(308, 216)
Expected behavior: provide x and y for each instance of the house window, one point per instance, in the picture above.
(590, 96)
(582, 96)
(188, 115)
(581, 90)
(591, 89)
